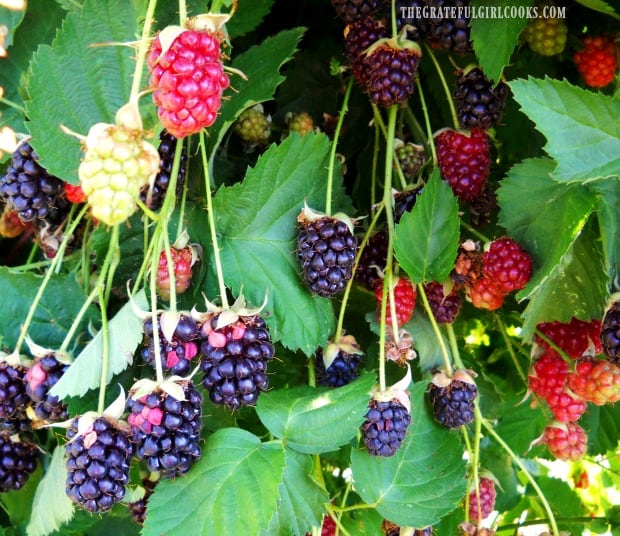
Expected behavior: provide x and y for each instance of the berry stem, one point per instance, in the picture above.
(78, 318)
(475, 232)
(521, 466)
(393, 19)
(332, 154)
(414, 125)
(438, 334)
(442, 78)
(427, 122)
(513, 527)
(216, 247)
(142, 49)
(48, 275)
(509, 346)
(171, 275)
(311, 373)
(43, 264)
(182, 12)
(13, 105)
(555, 347)
(381, 124)
(159, 373)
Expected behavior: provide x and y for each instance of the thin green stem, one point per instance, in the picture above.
(446, 89)
(42, 264)
(85, 257)
(394, 20)
(472, 477)
(414, 125)
(509, 346)
(157, 239)
(375, 165)
(530, 478)
(454, 347)
(171, 276)
(105, 358)
(311, 373)
(142, 49)
(48, 275)
(544, 521)
(353, 507)
(331, 510)
(182, 12)
(427, 122)
(216, 248)
(115, 252)
(438, 335)
(332, 154)
(475, 232)
(32, 254)
(13, 105)
(78, 318)
(379, 122)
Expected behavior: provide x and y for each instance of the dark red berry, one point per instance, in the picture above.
(575, 338)
(404, 301)
(445, 308)
(507, 264)
(182, 261)
(481, 505)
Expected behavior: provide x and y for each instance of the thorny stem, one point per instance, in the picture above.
(530, 478)
(142, 49)
(48, 275)
(375, 164)
(509, 346)
(427, 122)
(216, 247)
(442, 78)
(332, 154)
(438, 335)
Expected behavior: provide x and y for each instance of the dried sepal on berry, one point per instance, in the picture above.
(338, 363)
(399, 349)
(453, 397)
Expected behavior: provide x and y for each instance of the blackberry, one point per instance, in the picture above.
(372, 260)
(404, 201)
(468, 265)
(338, 364)
(98, 461)
(18, 424)
(417, 27)
(40, 378)
(235, 360)
(351, 10)
(253, 127)
(165, 430)
(389, 70)
(453, 399)
(385, 427)
(410, 158)
(18, 460)
(326, 249)
(610, 333)
(176, 354)
(13, 396)
(358, 36)
(484, 207)
(451, 35)
(29, 188)
(137, 509)
(478, 103)
(153, 195)
(445, 308)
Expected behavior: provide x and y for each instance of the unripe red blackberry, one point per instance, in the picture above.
(372, 260)
(566, 441)
(449, 34)
(479, 104)
(153, 195)
(610, 332)
(13, 396)
(481, 505)
(351, 10)
(507, 264)
(385, 427)
(182, 262)
(575, 338)
(485, 293)
(42, 375)
(358, 37)
(338, 364)
(235, 359)
(98, 456)
(453, 398)
(445, 308)
(596, 381)
(29, 189)
(326, 249)
(404, 301)
(176, 354)
(597, 62)
(301, 122)
(18, 460)
(166, 429)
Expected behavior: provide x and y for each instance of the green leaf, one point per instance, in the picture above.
(495, 41)
(18, 503)
(608, 210)
(92, 84)
(302, 499)
(256, 220)
(59, 305)
(427, 238)
(124, 332)
(601, 6)
(11, 19)
(52, 507)
(232, 489)
(582, 127)
(423, 481)
(316, 420)
(261, 65)
(602, 425)
(248, 16)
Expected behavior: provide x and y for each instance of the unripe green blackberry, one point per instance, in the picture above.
(546, 37)
(301, 122)
(117, 164)
(410, 157)
(253, 127)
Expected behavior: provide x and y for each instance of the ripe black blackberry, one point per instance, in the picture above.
(177, 354)
(235, 360)
(18, 460)
(137, 509)
(389, 71)
(13, 396)
(326, 249)
(29, 188)
(358, 36)
(153, 197)
(97, 463)
(344, 361)
(610, 332)
(478, 103)
(18, 424)
(42, 375)
(445, 308)
(453, 398)
(351, 10)
(166, 430)
(372, 260)
(417, 27)
(385, 427)
(452, 35)
(404, 201)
